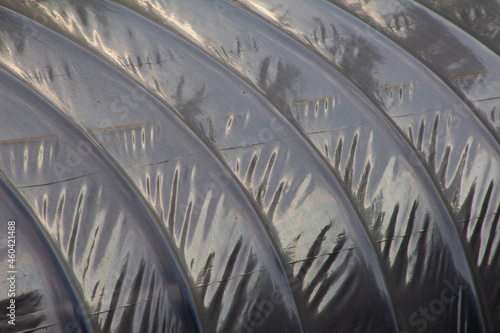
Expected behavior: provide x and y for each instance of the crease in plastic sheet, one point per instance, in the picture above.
(349, 262)
(325, 169)
(286, 71)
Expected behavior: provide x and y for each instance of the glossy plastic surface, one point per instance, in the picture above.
(252, 166)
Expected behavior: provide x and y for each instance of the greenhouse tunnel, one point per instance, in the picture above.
(250, 166)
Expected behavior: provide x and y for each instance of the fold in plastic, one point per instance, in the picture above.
(251, 165)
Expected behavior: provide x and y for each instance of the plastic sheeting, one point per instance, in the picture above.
(251, 166)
